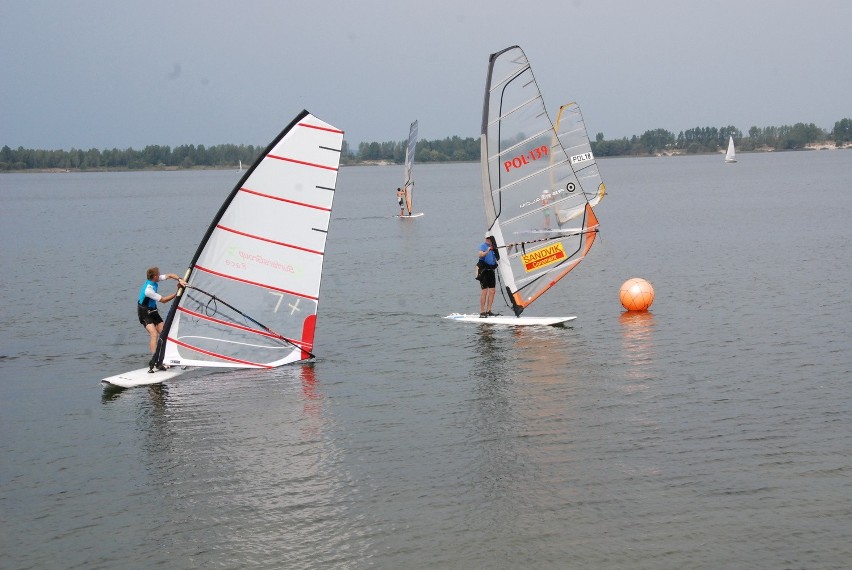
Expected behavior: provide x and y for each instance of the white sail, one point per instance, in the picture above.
(731, 155)
(408, 184)
(536, 179)
(254, 283)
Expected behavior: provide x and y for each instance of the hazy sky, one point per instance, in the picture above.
(106, 73)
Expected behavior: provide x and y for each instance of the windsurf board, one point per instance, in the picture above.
(142, 377)
(509, 320)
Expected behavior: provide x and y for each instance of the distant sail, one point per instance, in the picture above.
(535, 179)
(254, 282)
(731, 155)
(571, 134)
(408, 178)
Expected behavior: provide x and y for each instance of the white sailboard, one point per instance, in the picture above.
(142, 377)
(254, 282)
(408, 178)
(509, 320)
(540, 182)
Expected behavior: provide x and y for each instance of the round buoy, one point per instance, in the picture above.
(636, 294)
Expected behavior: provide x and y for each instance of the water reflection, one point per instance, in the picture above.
(637, 334)
(246, 449)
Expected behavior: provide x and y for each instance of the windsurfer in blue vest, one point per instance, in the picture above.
(487, 264)
(146, 303)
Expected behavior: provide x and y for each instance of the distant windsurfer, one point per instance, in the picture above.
(487, 264)
(400, 197)
(146, 306)
(545, 201)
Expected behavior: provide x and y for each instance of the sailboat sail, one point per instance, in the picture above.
(731, 155)
(409, 163)
(540, 181)
(254, 282)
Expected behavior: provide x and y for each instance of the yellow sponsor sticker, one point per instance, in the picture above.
(543, 257)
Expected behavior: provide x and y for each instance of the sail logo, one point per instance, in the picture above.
(585, 157)
(526, 158)
(548, 196)
(543, 257)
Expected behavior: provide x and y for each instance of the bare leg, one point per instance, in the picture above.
(152, 330)
(482, 300)
(489, 300)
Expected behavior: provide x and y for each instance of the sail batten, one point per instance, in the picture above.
(536, 176)
(254, 281)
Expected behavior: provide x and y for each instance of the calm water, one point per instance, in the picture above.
(711, 432)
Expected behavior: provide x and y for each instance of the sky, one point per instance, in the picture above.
(105, 74)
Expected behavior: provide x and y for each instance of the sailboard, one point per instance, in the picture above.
(731, 154)
(141, 377)
(540, 182)
(408, 178)
(509, 320)
(254, 282)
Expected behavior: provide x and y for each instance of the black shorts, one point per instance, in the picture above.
(148, 316)
(487, 279)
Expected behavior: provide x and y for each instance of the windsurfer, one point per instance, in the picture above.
(146, 305)
(400, 197)
(545, 201)
(488, 257)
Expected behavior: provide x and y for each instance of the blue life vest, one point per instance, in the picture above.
(489, 259)
(147, 301)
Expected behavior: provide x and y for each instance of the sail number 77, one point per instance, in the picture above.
(526, 158)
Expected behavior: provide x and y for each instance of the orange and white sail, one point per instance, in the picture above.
(540, 181)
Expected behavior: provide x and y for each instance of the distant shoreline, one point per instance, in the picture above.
(679, 152)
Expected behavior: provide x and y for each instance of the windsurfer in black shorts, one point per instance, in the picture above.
(146, 303)
(400, 197)
(487, 264)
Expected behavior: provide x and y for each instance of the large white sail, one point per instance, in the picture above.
(254, 283)
(539, 181)
(408, 186)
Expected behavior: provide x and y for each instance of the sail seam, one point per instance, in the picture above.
(216, 355)
(267, 240)
(280, 199)
(305, 163)
(248, 282)
(319, 128)
(241, 327)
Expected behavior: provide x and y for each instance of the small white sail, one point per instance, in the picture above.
(731, 155)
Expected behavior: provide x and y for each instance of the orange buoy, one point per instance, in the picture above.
(636, 294)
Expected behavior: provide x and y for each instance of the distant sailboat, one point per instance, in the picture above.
(731, 155)
(241, 166)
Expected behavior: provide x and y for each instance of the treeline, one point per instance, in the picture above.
(451, 149)
(712, 139)
(153, 156)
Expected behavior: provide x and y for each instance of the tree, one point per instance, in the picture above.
(842, 131)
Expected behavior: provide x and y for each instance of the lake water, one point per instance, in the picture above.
(711, 432)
